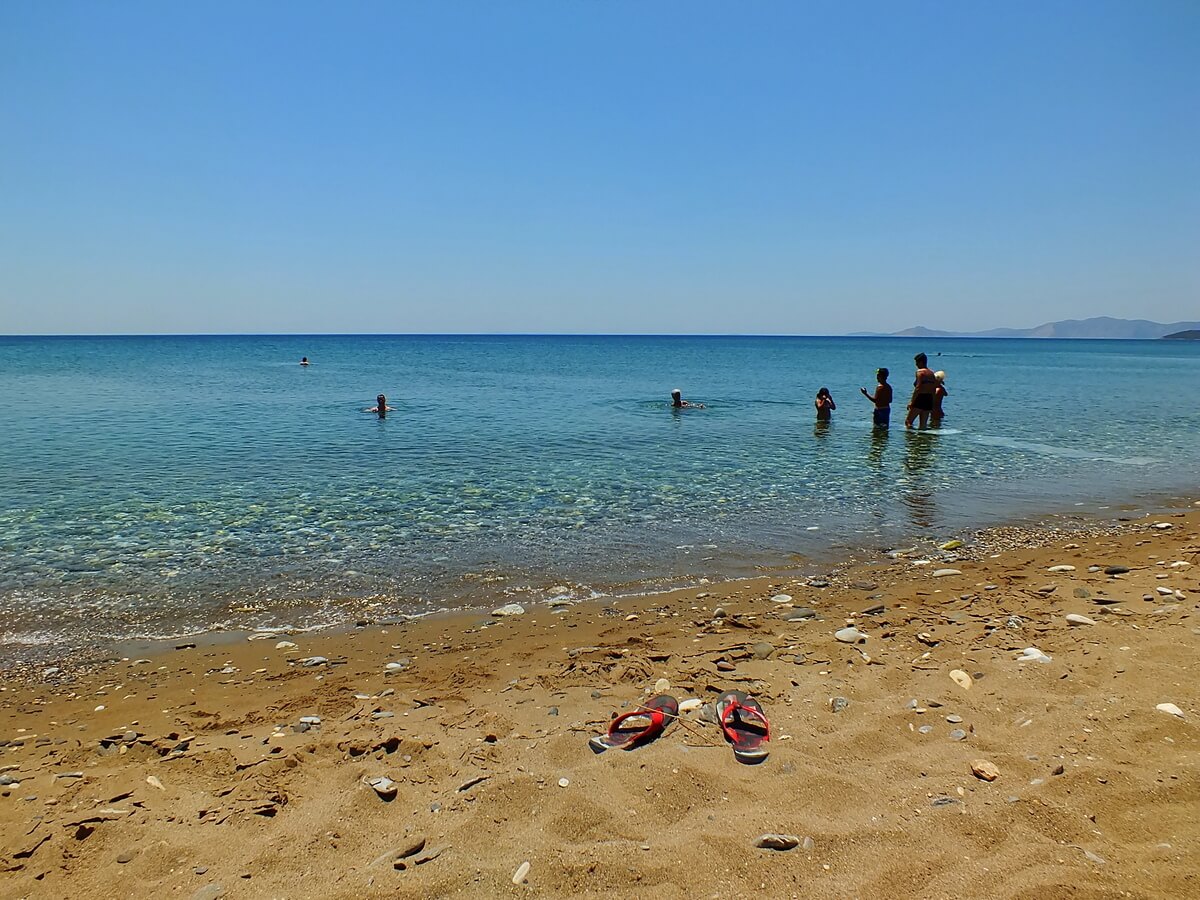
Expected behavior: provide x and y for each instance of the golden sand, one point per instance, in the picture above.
(187, 773)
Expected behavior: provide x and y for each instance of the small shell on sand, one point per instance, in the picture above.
(942, 573)
(521, 873)
(1170, 708)
(961, 678)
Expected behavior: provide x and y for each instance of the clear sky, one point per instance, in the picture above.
(587, 166)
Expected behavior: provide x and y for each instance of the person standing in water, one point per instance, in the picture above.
(924, 385)
(882, 398)
(939, 392)
(304, 360)
(825, 405)
(380, 408)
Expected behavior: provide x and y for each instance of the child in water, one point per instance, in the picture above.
(825, 405)
(882, 398)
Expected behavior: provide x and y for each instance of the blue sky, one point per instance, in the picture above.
(565, 166)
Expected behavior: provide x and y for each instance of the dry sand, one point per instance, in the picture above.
(179, 773)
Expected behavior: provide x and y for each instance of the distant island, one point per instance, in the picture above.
(1101, 327)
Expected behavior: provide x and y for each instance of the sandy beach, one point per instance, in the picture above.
(198, 772)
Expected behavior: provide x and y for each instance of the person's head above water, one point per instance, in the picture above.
(304, 360)
(921, 360)
(676, 397)
(881, 375)
(823, 392)
(381, 400)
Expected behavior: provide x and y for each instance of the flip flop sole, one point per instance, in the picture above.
(747, 752)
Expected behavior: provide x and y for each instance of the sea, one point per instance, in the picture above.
(156, 487)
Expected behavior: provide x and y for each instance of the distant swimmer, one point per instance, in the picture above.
(678, 402)
(825, 405)
(304, 360)
(882, 398)
(924, 385)
(381, 408)
(939, 393)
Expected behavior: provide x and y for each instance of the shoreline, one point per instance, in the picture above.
(482, 718)
(25, 661)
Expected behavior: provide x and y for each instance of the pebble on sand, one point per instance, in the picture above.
(509, 609)
(850, 635)
(1076, 619)
(982, 768)
(662, 686)
(1170, 708)
(522, 872)
(777, 842)
(837, 704)
(1033, 654)
(961, 678)
(782, 598)
(383, 786)
(690, 704)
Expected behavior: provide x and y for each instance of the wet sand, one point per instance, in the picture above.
(188, 773)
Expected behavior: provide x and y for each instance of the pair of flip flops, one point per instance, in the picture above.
(740, 716)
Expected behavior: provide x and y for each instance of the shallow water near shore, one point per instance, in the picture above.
(166, 485)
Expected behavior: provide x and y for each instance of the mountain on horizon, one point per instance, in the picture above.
(1100, 327)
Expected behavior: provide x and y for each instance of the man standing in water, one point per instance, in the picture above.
(882, 398)
(380, 408)
(924, 386)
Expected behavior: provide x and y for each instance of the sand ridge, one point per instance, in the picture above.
(198, 778)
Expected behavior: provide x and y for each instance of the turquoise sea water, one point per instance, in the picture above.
(154, 486)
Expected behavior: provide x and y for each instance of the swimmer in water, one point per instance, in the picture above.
(304, 360)
(380, 408)
(677, 401)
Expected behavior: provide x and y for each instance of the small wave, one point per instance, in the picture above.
(1063, 452)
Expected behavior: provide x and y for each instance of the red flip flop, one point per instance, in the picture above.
(656, 710)
(745, 726)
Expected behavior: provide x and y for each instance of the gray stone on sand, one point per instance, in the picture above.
(837, 704)
(849, 635)
(762, 650)
(777, 842)
(1076, 619)
(958, 735)
(209, 892)
(1116, 570)
(800, 613)
(509, 609)
(925, 729)
(1082, 593)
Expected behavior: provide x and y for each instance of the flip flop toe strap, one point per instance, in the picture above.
(732, 710)
(655, 716)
